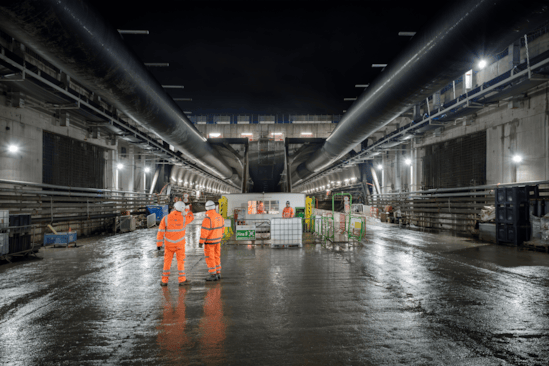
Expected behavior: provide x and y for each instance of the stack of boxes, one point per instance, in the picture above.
(512, 214)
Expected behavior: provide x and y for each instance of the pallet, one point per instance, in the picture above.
(537, 245)
(281, 246)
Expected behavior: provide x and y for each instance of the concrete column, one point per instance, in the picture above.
(131, 166)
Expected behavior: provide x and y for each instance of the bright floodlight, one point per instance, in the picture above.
(380, 166)
(408, 161)
(215, 134)
(517, 158)
(13, 148)
(482, 64)
(147, 170)
(119, 166)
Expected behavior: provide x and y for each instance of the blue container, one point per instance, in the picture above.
(159, 210)
(60, 238)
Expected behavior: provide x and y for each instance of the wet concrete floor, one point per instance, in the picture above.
(403, 297)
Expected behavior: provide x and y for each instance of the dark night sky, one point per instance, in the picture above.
(267, 56)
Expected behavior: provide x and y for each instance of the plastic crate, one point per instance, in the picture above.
(512, 213)
(60, 238)
(159, 210)
(516, 194)
(20, 220)
(19, 243)
(512, 234)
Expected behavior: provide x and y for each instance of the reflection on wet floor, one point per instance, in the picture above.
(401, 297)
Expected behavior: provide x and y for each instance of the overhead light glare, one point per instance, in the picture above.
(306, 133)
(517, 158)
(119, 166)
(215, 134)
(408, 161)
(379, 167)
(147, 170)
(13, 148)
(482, 64)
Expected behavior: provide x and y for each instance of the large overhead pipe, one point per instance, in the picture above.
(439, 54)
(74, 37)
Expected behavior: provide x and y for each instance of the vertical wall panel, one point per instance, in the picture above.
(70, 162)
(460, 162)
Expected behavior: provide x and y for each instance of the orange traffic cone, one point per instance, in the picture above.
(70, 229)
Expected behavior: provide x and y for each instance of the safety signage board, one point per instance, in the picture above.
(245, 232)
(356, 223)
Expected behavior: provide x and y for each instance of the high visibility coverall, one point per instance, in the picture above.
(288, 212)
(211, 235)
(172, 232)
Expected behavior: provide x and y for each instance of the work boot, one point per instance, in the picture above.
(163, 283)
(219, 276)
(211, 277)
(186, 282)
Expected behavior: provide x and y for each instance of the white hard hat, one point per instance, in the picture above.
(179, 206)
(210, 205)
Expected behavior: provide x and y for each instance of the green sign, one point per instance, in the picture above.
(245, 232)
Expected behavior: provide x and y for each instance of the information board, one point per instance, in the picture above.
(245, 232)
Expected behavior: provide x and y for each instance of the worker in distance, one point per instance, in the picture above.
(171, 232)
(288, 211)
(211, 234)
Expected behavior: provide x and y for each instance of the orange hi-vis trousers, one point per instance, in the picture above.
(211, 234)
(172, 232)
(213, 258)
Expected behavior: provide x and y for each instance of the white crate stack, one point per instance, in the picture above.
(4, 232)
(286, 233)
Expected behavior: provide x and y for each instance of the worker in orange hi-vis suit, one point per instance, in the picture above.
(261, 207)
(172, 232)
(288, 212)
(210, 236)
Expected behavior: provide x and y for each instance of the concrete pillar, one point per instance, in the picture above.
(514, 55)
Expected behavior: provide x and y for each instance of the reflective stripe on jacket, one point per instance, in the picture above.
(212, 228)
(288, 212)
(172, 229)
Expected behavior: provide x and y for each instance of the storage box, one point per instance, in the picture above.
(60, 238)
(159, 210)
(487, 232)
(127, 223)
(21, 222)
(383, 217)
(19, 243)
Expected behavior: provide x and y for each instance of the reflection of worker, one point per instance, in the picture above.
(212, 329)
(261, 208)
(172, 232)
(211, 235)
(288, 212)
(171, 332)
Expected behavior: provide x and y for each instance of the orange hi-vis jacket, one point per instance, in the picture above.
(212, 228)
(172, 229)
(288, 212)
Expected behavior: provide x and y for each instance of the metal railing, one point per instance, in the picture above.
(83, 209)
(452, 209)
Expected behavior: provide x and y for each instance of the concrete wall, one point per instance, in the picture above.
(522, 131)
(24, 127)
